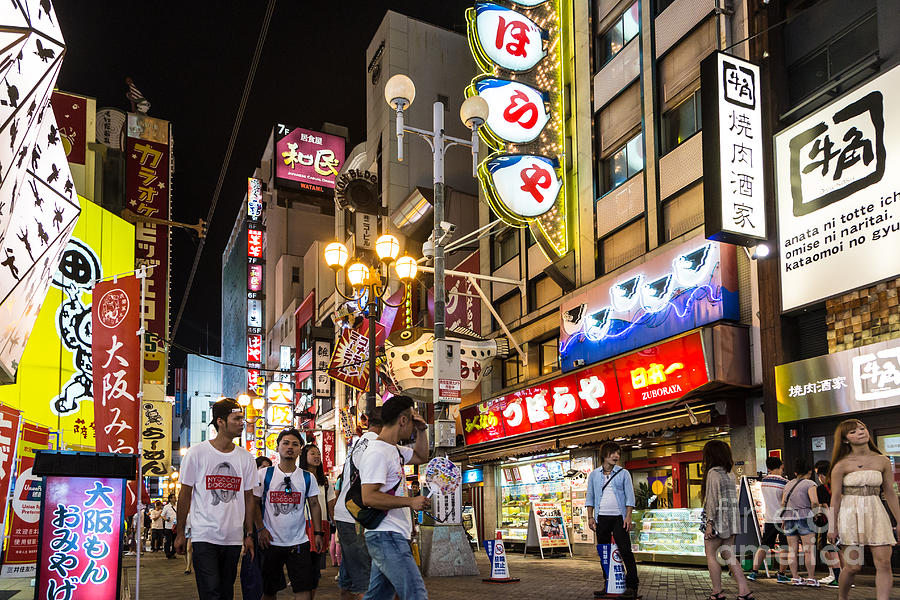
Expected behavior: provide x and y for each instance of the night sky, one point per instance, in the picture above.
(191, 60)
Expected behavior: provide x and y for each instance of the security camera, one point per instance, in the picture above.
(428, 248)
(447, 228)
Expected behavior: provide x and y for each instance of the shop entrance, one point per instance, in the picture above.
(888, 441)
(668, 481)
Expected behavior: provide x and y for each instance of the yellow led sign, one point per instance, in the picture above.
(519, 51)
(54, 381)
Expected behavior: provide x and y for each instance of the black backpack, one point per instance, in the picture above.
(368, 517)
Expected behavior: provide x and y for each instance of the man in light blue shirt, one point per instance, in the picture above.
(609, 502)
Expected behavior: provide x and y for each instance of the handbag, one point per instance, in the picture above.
(368, 517)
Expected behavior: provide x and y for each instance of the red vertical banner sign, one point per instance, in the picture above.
(20, 556)
(328, 451)
(115, 346)
(10, 420)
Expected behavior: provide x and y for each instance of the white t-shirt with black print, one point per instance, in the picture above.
(356, 451)
(219, 480)
(381, 464)
(284, 513)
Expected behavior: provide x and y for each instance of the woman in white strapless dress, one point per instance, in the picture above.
(860, 473)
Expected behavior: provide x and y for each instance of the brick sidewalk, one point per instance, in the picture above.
(550, 579)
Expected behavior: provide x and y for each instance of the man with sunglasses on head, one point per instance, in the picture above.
(283, 491)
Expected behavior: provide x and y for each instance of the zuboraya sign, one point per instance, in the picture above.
(838, 192)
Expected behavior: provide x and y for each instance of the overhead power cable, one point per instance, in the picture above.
(260, 42)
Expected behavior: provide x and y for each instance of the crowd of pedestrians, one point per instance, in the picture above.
(281, 517)
(286, 516)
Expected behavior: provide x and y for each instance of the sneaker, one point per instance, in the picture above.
(834, 583)
(752, 575)
(827, 580)
(810, 582)
(797, 581)
(783, 578)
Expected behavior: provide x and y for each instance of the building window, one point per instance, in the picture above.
(542, 291)
(510, 308)
(203, 416)
(512, 371)
(504, 247)
(825, 66)
(662, 5)
(681, 122)
(203, 436)
(683, 212)
(550, 355)
(624, 163)
(295, 274)
(622, 246)
(625, 29)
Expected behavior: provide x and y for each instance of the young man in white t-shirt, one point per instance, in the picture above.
(394, 570)
(355, 571)
(281, 522)
(169, 518)
(217, 481)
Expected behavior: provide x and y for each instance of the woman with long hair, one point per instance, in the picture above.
(860, 473)
(311, 460)
(798, 502)
(720, 521)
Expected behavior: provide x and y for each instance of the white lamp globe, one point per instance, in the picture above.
(474, 111)
(387, 247)
(406, 268)
(399, 89)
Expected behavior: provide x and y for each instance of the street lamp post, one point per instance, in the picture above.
(365, 279)
(399, 93)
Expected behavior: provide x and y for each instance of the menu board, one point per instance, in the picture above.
(541, 473)
(546, 527)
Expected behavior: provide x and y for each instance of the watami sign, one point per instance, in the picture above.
(650, 376)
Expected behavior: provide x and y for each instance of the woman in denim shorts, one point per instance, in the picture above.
(798, 502)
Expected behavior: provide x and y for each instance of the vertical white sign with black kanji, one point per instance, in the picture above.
(733, 189)
(321, 357)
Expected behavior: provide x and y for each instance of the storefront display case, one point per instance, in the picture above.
(668, 535)
(524, 482)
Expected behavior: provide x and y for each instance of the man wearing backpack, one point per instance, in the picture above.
(355, 571)
(283, 491)
(383, 483)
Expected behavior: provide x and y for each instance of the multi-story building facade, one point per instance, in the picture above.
(644, 332)
(829, 293)
(203, 387)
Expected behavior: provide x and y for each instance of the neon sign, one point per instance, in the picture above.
(657, 374)
(254, 243)
(519, 51)
(81, 524)
(254, 198)
(691, 285)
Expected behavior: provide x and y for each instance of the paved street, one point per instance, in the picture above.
(556, 579)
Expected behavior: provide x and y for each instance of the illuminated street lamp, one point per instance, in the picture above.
(367, 281)
(259, 403)
(399, 93)
(244, 400)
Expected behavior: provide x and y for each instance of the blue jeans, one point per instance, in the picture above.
(215, 568)
(356, 565)
(394, 570)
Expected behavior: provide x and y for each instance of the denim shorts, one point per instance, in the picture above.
(356, 566)
(796, 527)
